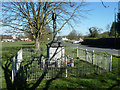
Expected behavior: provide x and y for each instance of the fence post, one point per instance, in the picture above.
(21, 54)
(86, 54)
(43, 62)
(66, 68)
(19, 59)
(110, 68)
(13, 68)
(77, 51)
(105, 65)
(72, 62)
(93, 57)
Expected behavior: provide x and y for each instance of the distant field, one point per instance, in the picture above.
(105, 80)
(17, 44)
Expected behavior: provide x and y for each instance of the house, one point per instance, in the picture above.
(25, 39)
(14, 36)
(8, 40)
(64, 39)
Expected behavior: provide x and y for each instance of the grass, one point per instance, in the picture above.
(89, 81)
(109, 80)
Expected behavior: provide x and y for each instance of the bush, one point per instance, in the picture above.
(103, 42)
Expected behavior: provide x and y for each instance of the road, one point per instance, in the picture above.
(111, 51)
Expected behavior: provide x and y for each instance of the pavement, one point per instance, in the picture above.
(108, 50)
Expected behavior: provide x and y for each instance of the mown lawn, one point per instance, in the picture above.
(105, 80)
(89, 81)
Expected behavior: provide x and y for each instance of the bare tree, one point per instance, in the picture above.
(36, 15)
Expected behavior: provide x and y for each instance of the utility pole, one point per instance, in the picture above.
(118, 19)
(115, 23)
(54, 24)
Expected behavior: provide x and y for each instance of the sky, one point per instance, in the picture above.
(99, 16)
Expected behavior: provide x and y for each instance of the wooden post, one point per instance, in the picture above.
(110, 68)
(66, 68)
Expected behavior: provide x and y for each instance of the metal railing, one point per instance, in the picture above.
(77, 62)
(100, 59)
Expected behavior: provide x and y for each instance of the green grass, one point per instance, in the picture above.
(90, 81)
(9, 50)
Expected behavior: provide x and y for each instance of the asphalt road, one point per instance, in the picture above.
(111, 51)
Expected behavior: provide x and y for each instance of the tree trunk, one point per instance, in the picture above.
(37, 45)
